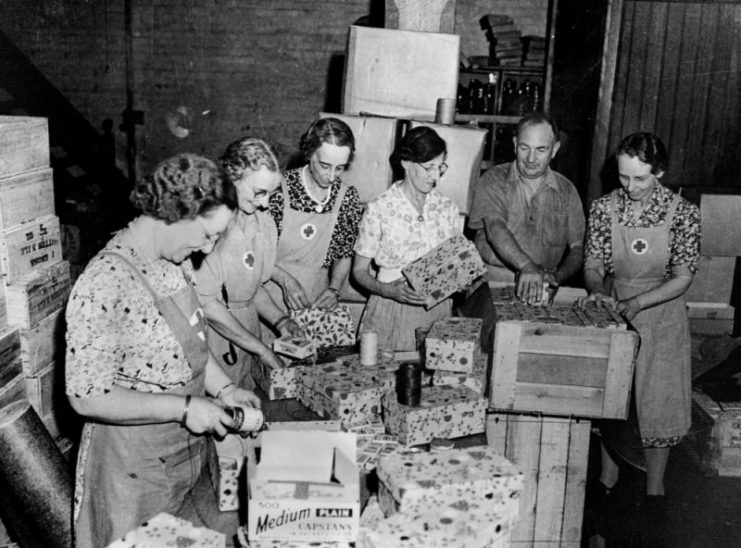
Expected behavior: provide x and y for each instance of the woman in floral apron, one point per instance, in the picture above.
(230, 279)
(642, 252)
(408, 220)
(138, 366)
(317, 216)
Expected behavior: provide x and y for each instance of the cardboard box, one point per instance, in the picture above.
(399, 74)
(417, 481)
(560, 360)
(306, 487)
(476, 380)
(24, 144)
(30, 247)
(244, 543)
(25, 197)
(444, 412)
(452, 344)
(465, 150)
(294, 347)
(721, 225)
(338, 391)
(713, 281)
(326, 328)
(461, 523)
(277, 383)
(231, 452)
(375, 137)
(43, 343)
(38, 295)
(714, 441)
(552, 453)
(450, 267)
(167, 530)
(711, 318)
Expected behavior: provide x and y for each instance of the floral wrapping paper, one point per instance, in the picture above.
(476, 380)
(448, 268)
(444, 412)
(412, 482)
(165, 530)
(452, 344)
(326, 327)
(461, 523)
(277, 383)
(228, 490)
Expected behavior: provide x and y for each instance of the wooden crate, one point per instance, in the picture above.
(24, 144)
(10, 355)
(714, 440)
(465, 150)
(714, 280)
(46, 389)
(30, 247)
(553, 454)
(42, 343)
(38, 295)
(710, 318)
(25, 197)
(560, 360)
(370, 172)
(400, 74)
(13, 390)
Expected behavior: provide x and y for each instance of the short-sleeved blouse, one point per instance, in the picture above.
(684, 233)
(345, 231)
(115, 334)
(392, 234)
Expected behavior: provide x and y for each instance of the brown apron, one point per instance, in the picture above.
(303, 245)
(135, 472)
(245, 254)
(662, 383)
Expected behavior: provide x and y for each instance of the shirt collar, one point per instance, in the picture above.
(549, 179)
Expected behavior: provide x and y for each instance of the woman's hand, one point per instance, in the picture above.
(241, 397)
(272, 360)
(599, 300)
(629, 308)
(400, 291)
(294, 293)
(327, 300)
(205, 415)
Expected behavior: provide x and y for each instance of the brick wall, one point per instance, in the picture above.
(219, 69)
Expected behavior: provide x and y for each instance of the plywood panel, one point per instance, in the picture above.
(399, 73)
(721, 225)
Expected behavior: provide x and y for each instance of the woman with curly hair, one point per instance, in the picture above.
(229, 280)
(138, 367)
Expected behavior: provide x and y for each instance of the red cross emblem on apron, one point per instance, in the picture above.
(248, 260)
(639, 246)
(308, 231)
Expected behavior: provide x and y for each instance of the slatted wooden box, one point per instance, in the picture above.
(26, 196)
(560, 360)
(714, 441)
(10, 355)
(42, 343)
(553, 454)
(38, 295)
(45, 389)
(30, 247)
(24, 144)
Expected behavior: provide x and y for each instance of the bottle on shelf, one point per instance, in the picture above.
(462, 101)
(509, 97)
(490, 94)
(523, 97)
(534, 96)
(476, 96)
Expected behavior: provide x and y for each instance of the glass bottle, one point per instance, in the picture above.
(476, 96)
(490, 94)
(509, 96)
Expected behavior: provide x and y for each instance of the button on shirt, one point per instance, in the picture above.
(544, 221)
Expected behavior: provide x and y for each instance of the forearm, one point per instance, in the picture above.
(362, 275)
(503, 242)
(670, 289)
(221, 320)
(570, 264)
(130, 407)
(278, 275)
(339, 272)
(266, 307)
(216, 377)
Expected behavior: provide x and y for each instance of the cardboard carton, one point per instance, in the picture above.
(305, 487)
(294, 347)
(452, 344)
(444, 412)
(475, 380)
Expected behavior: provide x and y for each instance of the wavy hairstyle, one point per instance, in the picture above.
(327, 130)
(648, 148)
(419, 145)
(183, 187)
(248, 153)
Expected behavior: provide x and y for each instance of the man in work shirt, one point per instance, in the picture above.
(528, 219)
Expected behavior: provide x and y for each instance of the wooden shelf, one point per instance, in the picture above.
(487, 118)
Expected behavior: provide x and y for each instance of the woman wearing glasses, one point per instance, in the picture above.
(138, 367)
(398, 227)
(230, 280)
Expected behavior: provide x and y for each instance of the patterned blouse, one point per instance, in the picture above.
(345, 231)
(115, 334)
(684, 234)
(392, 233)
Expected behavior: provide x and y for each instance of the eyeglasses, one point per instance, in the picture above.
(430, 170)
(209, 237)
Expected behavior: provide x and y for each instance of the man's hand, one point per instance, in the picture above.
(530, 284)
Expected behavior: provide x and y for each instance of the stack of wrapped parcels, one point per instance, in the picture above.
(465, 498)
(453, 353)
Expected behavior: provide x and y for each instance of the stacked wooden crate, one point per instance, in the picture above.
(552, 369)
(35, 278)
